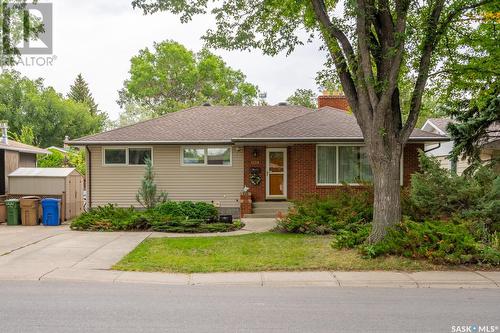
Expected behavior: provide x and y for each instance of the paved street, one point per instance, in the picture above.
(30, 306)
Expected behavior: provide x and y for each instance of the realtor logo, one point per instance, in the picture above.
(19, 22)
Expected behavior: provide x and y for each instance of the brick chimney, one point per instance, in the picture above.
(333, 99)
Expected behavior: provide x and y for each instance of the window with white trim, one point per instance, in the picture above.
(337, 164)
(206, 156)
(138, 156)
(126, 156)
(115, 156)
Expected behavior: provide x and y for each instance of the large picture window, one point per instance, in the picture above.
(126, 155)
(337, 164)
(206, 155)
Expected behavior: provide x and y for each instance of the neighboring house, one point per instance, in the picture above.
(441, 151)
(211, 153)
(14, 155)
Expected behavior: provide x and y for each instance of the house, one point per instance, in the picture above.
(211, 153)
(14, 155)
(490, 150)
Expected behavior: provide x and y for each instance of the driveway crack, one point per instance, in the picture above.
(94, 251)
(24, 246)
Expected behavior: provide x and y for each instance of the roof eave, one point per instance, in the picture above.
(101, 143)
(330, 139)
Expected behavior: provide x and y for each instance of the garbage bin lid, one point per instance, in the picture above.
(51, 200)
(12, 200)
(31, 197)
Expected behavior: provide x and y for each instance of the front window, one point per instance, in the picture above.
(342, 164)
(127, 155)
(206, 156)
(115, 156)
(194, 156)
(138, 156)
(218, 156)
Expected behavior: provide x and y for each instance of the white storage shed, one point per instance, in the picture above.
(63, 183)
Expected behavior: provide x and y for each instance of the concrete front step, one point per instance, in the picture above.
(260, 216)
(271, 204)
(273, 210)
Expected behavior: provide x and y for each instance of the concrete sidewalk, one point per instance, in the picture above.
(430, 279)
(57, 253)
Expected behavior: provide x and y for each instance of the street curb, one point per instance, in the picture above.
(334, 279)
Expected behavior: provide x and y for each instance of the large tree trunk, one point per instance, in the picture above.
(386, 167)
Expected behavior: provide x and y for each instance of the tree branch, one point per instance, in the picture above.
(425, 60)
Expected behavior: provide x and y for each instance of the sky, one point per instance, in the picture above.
(98, 37)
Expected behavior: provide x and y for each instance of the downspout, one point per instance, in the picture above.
(89, 178)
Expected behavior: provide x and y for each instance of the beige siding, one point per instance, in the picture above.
(36, 185)
(27, 160)
(119, 184)
(462, 164)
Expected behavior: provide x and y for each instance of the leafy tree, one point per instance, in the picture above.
(471, 88)
(80, 92)
(147, 195)
(25, 103)
(133, 113)
(25, 136)
(73, 159)
(303, 97)
(375, 46)
(170, 77)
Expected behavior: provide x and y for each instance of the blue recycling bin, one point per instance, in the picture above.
(50, 207)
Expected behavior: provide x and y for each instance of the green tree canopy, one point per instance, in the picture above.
(376, 47)
(171, 77)
(303, 97)
(79, 92)
(468, 88)
(25, 103)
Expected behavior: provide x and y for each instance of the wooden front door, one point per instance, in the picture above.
(276, 175)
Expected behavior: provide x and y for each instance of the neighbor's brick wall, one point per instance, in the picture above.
(302, 170)
(410, 161)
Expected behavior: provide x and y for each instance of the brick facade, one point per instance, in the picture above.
(302, 170)
(255, 157)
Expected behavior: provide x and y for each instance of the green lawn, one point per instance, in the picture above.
(254, 252)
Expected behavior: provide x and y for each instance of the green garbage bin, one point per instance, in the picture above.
(13, 216)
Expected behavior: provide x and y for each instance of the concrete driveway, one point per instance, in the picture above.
(38, 252)
(29, 253)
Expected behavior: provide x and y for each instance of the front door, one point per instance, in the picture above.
(276, 173)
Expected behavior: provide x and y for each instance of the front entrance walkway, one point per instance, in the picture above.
(31, 253)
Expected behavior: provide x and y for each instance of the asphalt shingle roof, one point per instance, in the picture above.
(201, 124)
(325, 123)
(225, 124)
(22, 147)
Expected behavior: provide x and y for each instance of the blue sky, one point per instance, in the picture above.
(98, 38)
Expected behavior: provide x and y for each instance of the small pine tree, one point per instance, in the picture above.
(80, 92)
(147, 194)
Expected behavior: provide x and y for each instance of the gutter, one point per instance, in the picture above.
(434, 148)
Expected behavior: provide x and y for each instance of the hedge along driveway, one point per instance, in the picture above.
(255, 252)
